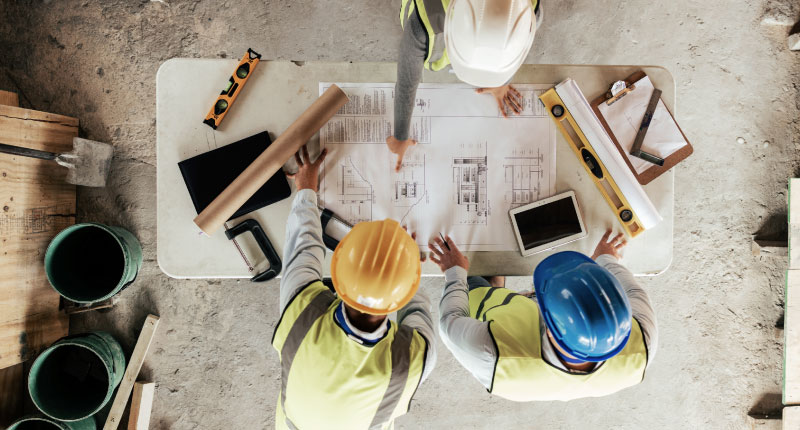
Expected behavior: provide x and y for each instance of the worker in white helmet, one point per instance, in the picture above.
(344, 364)
(485, 42)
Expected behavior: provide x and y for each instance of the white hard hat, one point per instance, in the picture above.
(487, 40)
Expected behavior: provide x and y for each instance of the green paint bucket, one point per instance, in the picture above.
(41, 422)
(91, 262)
(76, 376)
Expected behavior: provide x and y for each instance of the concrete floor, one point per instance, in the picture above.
(720, 354)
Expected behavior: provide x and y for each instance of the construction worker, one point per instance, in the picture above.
(344, 364)
(485, 42)
(587, 330)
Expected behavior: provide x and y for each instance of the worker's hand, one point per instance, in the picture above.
(508, 98)
(399, 147)
(447, 258)
(611, 247)
(422, 256)
(307, 176)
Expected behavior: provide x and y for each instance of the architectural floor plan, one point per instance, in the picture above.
(469, 168)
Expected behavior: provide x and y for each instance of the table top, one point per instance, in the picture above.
(278, 92)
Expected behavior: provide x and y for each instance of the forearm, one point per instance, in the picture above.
(417, 315)
(304, 252)
(640, 302)
(413, 49)
(467, 338)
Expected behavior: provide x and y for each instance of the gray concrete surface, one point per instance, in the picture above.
(720, 353)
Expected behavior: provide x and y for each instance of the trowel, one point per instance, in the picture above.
(87, 164)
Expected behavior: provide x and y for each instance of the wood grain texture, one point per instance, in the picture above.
(9, 99)
(141, 405)
(791, 418)
(791, 344)
(794, 223)
(23, 338)
(12, 379)
(131, 372)
(35, 204)
(12, 387)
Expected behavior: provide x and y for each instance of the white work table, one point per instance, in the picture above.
(278, 92)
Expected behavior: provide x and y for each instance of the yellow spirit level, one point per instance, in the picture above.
(591, 162)
(232, 89)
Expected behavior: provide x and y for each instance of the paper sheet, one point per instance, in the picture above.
(469, 168)
(625, 116)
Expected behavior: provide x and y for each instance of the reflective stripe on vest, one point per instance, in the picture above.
(432, 14)
(521, 374)
(330, 381)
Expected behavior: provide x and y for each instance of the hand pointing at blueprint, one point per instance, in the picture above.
(469, 167)
(399, 147)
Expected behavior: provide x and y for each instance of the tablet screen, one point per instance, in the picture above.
(547, 223)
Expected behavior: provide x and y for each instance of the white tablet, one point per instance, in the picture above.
(547, 223)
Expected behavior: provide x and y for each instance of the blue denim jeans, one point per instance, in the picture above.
(474, 282)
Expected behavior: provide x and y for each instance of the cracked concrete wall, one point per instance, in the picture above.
(720, 354)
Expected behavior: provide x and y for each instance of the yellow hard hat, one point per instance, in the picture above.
(375, 268)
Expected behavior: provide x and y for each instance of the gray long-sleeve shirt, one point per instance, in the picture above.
(304, 255)
(471, 343)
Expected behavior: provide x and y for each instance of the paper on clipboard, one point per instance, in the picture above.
(625, 115)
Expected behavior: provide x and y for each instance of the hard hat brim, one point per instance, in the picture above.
(481, 78)
(357, 304)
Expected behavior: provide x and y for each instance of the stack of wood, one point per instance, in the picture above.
(791, 316)
(35, 204)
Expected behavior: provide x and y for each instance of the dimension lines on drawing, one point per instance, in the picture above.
(408, 185)
(355, 193)
(470, 173)
(523, 177)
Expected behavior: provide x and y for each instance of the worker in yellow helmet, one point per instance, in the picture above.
(587, 329)
(485, 42)
(344, 364)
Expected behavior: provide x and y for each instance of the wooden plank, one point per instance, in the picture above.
(791, 344)
(794, 223)
(791, 418)
(22, 339)
(12, 385)
(12, 379)
(35, 204)
(141, 405)
(131, 372)
(37, 130)
(9, 99)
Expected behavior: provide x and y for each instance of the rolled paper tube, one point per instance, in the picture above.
(271, 160)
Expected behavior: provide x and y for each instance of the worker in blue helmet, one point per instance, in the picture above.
(587, 330)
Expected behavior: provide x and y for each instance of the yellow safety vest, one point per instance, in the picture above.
(432, 14)
(522, 375)
(329, 381)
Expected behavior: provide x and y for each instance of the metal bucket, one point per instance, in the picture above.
(91, 262)
(76, 376)
(41, 422)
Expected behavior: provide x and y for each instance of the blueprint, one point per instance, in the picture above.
(469, 168)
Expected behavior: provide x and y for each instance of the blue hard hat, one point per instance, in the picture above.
(583, 305)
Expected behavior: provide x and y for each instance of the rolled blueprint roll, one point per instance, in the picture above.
(271, 160)
(582, 112)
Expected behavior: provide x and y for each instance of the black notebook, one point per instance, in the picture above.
(207, 174)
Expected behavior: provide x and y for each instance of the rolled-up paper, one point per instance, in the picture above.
(271, 160)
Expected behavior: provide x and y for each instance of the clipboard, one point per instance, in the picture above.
(587, 139)
(653, 171)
